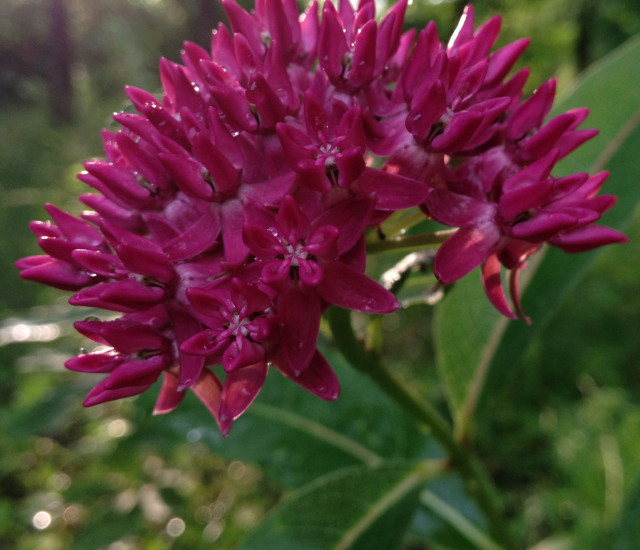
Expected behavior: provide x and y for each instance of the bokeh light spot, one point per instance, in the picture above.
(41, 520)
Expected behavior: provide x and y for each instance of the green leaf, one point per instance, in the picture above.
(356, 508)
(448, 518)
(628, 532)
(465, 338)
(297, 437)
(473, 342)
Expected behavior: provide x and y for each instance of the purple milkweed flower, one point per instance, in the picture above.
(233, 209)
(531, 207)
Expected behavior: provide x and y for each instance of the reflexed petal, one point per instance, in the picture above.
(209, 390)
(458, 210)
(299, 315)
(466, 249)
(492, 282)
(170, 396)
(318, 378)
(345, 287)
(185, 326)
(241, 387)
(514, 275)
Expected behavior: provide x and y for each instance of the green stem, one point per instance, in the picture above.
(475, 476)
(410, 242)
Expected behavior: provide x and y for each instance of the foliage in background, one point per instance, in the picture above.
(559, 425)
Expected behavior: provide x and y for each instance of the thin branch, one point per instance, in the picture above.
(410, 242)
(476, 479)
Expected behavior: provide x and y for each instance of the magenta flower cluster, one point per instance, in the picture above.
(231, 212)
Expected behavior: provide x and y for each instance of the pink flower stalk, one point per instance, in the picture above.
(232, 211)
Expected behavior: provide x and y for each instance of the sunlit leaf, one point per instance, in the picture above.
(297, 437)
(628, 532)
(357, 508)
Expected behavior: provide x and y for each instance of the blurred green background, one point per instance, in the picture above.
(563, 438)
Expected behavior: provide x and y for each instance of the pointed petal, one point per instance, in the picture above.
(332, 44)
(345, 287)
(170, 396)
(587, 238)
(198, 238)
(492, 282)
(392, 192)
(241, 387)
(458, 210)
(209, 390)
(184, 326)
(55, 273)
(235, 250)
(514, 274)
(107, 265)
(101, 394)
(543, 225)
(466, 249)
(299, 315)
(125, 295)
(351, 216)
(318, 378)
(364, 55)
(225, 175)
